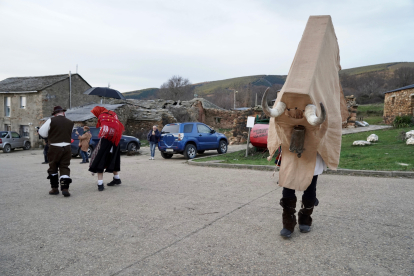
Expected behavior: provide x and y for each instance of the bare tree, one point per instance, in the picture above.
(403, 76)
(176, 88)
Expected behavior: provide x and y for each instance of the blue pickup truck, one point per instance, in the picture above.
(189, 139)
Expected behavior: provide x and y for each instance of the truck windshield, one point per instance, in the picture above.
(171, 128)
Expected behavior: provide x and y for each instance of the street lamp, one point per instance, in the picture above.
(235, 99)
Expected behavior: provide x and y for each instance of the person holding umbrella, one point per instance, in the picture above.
(106, 156)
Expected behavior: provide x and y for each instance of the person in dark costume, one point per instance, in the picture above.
(58, 131)
(106, 156)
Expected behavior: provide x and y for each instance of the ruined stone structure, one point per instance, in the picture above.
(398, 102)
(26, 100)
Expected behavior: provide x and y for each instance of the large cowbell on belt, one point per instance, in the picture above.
(297, 140)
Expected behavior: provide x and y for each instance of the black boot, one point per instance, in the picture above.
(304, 215)
(289, 218)
(114, 182)
(101, 187)
(64, 186)
(54, 183)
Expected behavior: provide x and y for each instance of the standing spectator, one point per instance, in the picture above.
(153, 137)
(46, 146)
(84, 143)
(58, 130)
(106, 156)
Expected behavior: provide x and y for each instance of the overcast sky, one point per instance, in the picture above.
(140, 44)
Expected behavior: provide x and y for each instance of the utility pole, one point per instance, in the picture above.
(235, 99)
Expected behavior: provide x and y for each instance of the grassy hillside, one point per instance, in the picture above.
(140, 94)
(205, 88)
(376, 67)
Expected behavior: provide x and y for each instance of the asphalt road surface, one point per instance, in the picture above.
(169, 218)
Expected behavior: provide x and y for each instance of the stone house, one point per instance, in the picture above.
(398, 102)
(26, 100)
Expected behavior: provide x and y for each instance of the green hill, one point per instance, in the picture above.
(140, 94)
(376, 67)
(206, 88)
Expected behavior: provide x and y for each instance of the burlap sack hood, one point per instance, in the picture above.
(312, 79)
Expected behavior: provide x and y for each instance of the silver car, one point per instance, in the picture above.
(9, 140)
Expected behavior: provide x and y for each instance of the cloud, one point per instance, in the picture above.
(140, 44)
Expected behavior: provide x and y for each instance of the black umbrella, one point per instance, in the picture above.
(105, 92)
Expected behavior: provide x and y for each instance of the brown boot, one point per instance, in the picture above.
(54, 183)
(304, 215)
(289, 218)
(54, 191)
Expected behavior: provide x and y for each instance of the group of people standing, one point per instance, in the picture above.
(105, 158)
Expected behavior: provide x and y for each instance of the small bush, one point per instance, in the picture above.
(402, 121)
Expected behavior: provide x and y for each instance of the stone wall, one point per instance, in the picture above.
(58, 94)
(398, 103)
(29, 116)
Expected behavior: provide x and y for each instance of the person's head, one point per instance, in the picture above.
(154, 128)
(85, 128)
(58, 110)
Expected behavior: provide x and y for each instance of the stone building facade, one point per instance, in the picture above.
(26, 100)
(398, 102)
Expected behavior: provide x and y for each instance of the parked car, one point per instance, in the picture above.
(127, 143)
(9, 140)
(189, 139)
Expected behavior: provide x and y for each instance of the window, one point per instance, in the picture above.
(172, 128)
(393, 100)
(203, 129)
(188, 128)
(94, 131)
(7, 103)
(7, 127)
(24, 131)
(22, 101)
(3, 134)
(15, 135)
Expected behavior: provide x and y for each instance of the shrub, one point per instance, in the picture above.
(402, 121)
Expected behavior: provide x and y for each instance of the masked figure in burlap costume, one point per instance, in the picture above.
(58, 131)
(306, 121)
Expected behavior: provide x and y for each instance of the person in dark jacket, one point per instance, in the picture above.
(153, 137)
(58, 130)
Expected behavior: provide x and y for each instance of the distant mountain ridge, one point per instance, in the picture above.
(206, 88)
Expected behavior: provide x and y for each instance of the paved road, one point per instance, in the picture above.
(168, 218)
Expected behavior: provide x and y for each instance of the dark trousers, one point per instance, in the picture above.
(309, 193)
(45, 151)
(59, 160)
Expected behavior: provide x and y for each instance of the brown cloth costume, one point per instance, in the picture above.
(312, 79)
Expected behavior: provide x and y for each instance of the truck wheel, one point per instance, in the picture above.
(190, 151)
(7, 149)
(27, 146)
(166, 155)
(222, 147)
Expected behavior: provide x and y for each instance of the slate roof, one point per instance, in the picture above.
(83, 113)
(401, 88)
(30, 84)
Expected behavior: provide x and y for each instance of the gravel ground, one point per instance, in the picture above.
(169, 218)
